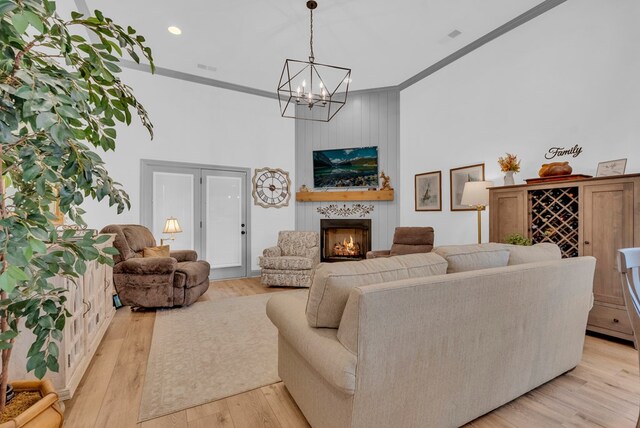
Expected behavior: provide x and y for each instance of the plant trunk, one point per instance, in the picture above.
(4, 324)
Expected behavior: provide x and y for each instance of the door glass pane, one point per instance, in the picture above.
(173, 197)
(224, 220)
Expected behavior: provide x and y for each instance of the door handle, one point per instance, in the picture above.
(587, 242)
(242, 225)
(243, 232)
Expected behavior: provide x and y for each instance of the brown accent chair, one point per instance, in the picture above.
(154, 282)
(407, 240)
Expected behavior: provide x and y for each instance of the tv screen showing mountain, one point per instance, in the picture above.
(357, 167)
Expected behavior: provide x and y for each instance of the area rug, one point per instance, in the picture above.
(209, 351)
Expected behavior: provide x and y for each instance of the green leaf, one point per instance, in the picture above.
(6, 6)
(7, 282)
(37, 246)
(46, 119)
(40, 371)
(102, 239)
(6, 345)
(111, 250)
(8, 335)
(67, 111)
(20, 22)
(81, 266)
(53, 349)
(46, 322)
(34, 20)
(17, 273)
(52, 362)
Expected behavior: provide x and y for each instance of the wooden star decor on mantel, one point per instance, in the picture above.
(344, 211)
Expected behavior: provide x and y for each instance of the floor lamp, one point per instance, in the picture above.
(476, 194)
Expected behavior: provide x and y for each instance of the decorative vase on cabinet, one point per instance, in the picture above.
(508, 178)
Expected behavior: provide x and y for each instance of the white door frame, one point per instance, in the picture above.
(148, 166)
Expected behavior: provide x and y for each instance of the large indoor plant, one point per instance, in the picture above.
(60, 99)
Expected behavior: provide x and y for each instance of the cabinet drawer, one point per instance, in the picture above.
(610, 318)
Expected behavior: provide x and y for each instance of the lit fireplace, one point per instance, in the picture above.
(344, 240)
(347, 248)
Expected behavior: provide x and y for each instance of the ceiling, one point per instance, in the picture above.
(246, 42)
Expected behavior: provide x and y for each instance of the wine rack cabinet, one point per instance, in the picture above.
(554, 217)
(584, 217)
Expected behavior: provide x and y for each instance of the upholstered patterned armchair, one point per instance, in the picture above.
(290, 263)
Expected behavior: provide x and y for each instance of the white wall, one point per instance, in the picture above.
(206, 125)
(570, 76)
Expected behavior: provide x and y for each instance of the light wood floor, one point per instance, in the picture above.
(603, 391)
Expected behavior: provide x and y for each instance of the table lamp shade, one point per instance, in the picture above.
(476, 193)
(172, 226)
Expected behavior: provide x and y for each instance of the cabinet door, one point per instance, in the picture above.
(94, 299)
(507, 214)
(607, 227)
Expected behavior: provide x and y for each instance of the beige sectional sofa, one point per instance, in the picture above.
(398, 342)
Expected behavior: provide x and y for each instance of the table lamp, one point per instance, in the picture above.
(172, 227)
(476, 194)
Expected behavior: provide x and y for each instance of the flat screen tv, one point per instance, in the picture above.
(357, 167)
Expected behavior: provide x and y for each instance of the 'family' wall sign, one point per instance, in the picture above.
(561, 151)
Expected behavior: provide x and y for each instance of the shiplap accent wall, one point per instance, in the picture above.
(368, 119)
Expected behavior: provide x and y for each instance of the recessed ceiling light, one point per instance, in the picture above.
(454, 34)
(174, 30)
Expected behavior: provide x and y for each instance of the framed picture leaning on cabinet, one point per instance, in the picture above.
(428, 191)
(459, 176)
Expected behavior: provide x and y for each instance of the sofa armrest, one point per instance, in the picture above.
(184, 255)
(318, 346)
(378, 254)
(272, 252)
(146, 266)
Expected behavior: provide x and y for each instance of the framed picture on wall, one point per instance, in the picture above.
(613, 167)
(428, 191)
(459, 176)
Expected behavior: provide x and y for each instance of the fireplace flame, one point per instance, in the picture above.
(347, 248)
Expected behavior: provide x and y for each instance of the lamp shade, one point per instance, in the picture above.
(476, 193)
(172, 226)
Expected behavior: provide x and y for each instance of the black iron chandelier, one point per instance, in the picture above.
(312, 91)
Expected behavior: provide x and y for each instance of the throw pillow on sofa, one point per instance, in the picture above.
(332, 282)
(160, 251)
(463, 258)
(542, 252)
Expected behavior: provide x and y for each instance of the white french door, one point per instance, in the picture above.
(210, 204)
(224, 228)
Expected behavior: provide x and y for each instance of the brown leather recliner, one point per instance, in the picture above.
(407, 240)
(154, 282)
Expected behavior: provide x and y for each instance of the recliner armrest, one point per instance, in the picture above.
(378, 253)
(146, 266)
(184, 255)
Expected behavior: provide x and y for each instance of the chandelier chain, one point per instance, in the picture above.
(311, 56)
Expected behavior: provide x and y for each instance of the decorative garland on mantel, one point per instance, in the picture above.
(344, 211)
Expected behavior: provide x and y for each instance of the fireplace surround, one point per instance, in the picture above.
(344, 239)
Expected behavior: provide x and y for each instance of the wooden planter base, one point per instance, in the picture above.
(46, 413)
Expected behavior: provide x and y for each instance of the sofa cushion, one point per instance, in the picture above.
(542, 252)
(161, 251)
(462, 258)
(286, 263)
(332, 282)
